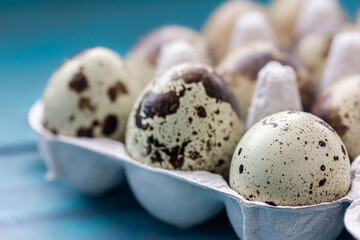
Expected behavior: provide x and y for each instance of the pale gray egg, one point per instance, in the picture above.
(291, 158)
(90, 95)
(186, 119)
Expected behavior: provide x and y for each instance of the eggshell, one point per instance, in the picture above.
(90, 95)
(339, 106)
(305, 161)
(240, 70)
(218, 29)
(186, 119)
(143, 57)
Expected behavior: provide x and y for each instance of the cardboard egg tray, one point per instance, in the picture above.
(187, 198)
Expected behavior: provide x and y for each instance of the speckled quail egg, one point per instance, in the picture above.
(240, 70)
(142, 59)
(218, 29)
(185, 119)
(90, 95)
(304, 161)
(339, 106)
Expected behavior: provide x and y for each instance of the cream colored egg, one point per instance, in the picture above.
(291, 158)
(186, 119)
(339, 106)
(90, 95)
(240, 70)
(143, 58)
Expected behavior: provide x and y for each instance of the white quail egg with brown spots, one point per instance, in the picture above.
(186, 119)
(90, 95)
(339, 106)
(304, 161)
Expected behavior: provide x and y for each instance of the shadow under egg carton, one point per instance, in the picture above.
(187, 198)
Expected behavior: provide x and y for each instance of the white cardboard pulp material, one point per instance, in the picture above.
(187, 198)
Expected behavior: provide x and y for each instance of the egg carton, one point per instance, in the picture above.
(188, 198)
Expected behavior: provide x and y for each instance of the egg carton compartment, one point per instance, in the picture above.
(187, 198)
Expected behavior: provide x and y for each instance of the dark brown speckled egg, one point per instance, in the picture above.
(186, 119)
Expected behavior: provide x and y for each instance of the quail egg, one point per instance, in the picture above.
(185, 119)
(143, 58)
(90, 95)
(339, 106)
(304, 161)
(241, 67)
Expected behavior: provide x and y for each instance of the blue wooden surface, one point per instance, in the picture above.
(34, 37)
